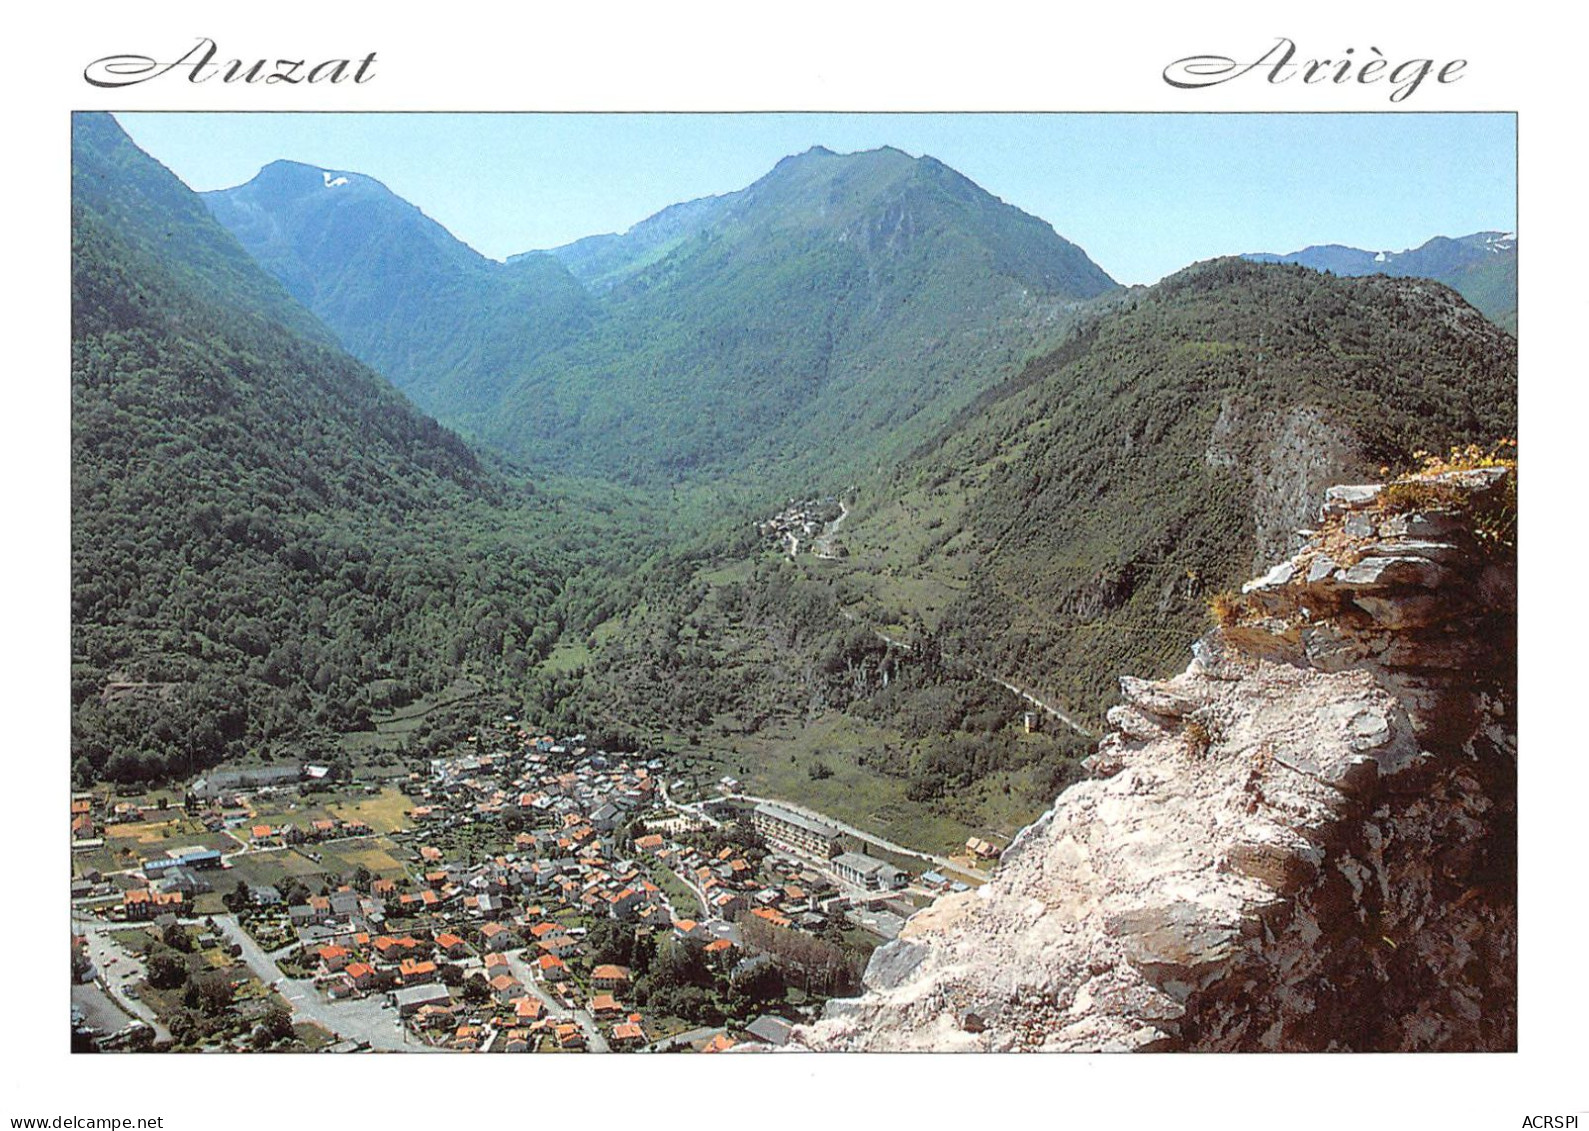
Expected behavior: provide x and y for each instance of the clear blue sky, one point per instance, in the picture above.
(1143, 194)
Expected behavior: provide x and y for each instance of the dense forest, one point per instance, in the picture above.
(268, 542)
(1085, 511)
(774, 648)
(1481, 267)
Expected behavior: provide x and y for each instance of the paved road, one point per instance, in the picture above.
(1048, 708)
(691, 811)
(554, 1008)
(695, 890)
(685, 878)
(99, 1009)
(359, 1019)
(1053, 711)
(118, 969)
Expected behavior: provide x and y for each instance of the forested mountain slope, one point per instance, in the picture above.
(445, 324)
(267, 539)
(603, 261)
(822, 320)
(1481, 267)
(1077, 520)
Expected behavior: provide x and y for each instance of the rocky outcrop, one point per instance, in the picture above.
(1305, 841)
(1292, 456)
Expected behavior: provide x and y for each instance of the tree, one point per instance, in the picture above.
(183, 1025)
(679, 962)
(275, 1025)
(293, 891)
(238, 898)
(692, 1003)
(643, 953)
(820, 965)
(760, 981)
(215, 993)
(167, 969)
(610, 941)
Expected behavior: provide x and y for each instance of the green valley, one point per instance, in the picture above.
(832, 314)
(1045, 476)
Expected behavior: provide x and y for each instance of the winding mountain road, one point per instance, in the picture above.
(1030, 697)
(822, 544)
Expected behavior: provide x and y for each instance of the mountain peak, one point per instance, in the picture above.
(831, 162)
(362, 257)
(877, 264)
(1481, 266)
(292, 180)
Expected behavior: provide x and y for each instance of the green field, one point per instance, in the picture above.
(685, 902)
(374, 853)
(101, 860)
(342, 858)
(568, 655)
(179, 830)
(385, 813)
(271, 867)
(127, 846)
(780, 763)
